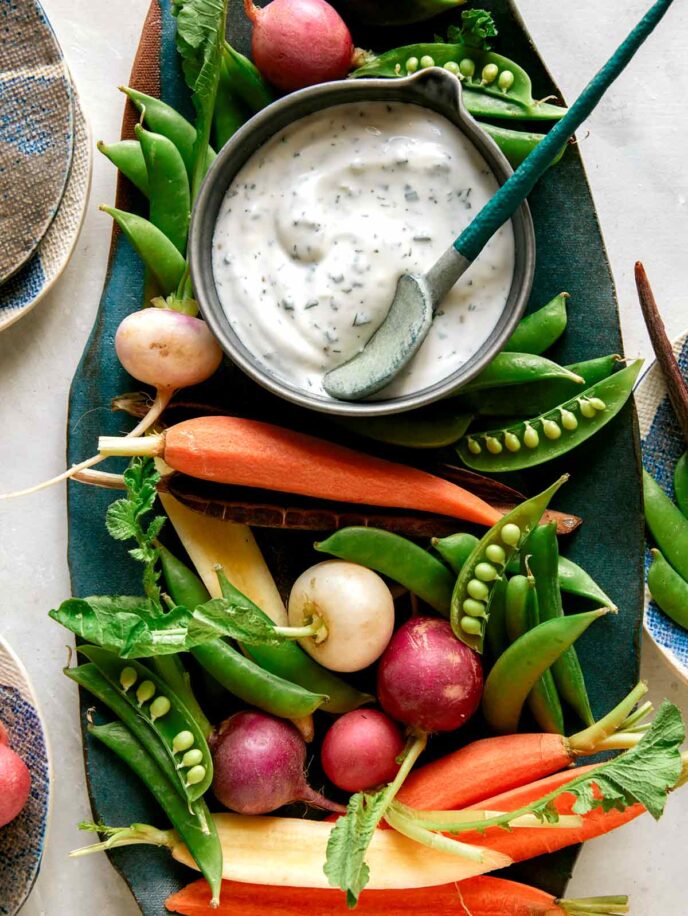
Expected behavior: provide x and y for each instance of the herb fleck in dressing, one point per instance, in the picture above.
(319, 224)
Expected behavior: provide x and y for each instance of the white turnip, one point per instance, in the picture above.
(350, 611)
(15, 781)
(360, 750)
(259, 765)
(427, 678)
(299, 43)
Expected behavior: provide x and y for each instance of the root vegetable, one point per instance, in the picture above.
(350, 609)
(360, 750)
(427, 678)
(15, 781)
(259, 763)
(299, 43)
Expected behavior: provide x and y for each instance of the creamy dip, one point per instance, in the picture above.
(322, 220)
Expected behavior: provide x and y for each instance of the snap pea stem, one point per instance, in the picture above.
(677, 388)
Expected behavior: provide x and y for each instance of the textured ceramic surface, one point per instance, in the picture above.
(36, 130)
(22, 840)
(663, 445)
(604, 488)
(26, 288)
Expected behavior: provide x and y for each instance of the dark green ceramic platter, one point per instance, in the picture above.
(604, 487)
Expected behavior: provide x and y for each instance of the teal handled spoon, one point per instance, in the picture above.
(416, 299)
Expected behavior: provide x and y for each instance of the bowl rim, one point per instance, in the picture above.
(433, 88)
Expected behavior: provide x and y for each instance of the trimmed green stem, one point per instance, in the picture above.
(316, 628)
(589, 739)
(432, 840)
(134, 835)
(599, 906)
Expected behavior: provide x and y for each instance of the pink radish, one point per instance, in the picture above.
(427, 678)
(15, 781)
(299, 43)
(360, 750)
(259, 763)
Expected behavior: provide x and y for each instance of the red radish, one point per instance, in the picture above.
(299, 43)
(259, 763)
(427, 678)
(360, 750)
(15, 781)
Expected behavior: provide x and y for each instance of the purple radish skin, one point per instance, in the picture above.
(259, 765)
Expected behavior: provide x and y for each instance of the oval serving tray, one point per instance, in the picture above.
(604, 488)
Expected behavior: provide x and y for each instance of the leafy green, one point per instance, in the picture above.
(348, 843)
(132, 627)
(200, 42)
(476, 27)
(124, 521)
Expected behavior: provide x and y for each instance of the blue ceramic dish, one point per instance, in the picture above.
(23, 840)
(663, 445)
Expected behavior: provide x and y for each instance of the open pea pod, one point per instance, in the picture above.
(543, 438)
(486, 565)
(493, 85)
(151, 698)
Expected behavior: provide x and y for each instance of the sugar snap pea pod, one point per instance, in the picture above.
(205, 848)
(165, 120)
(470, 604)
(157, 252)
(153, 700)
(517, 670)
(681, 483)
(538, 331)
(168, 184)
(517, 145)
(430, 427)
(455, 549)
(287, 661)
(517, 369)
(668, 589)
(522, 614)
(554, 433)
(395, 557)
(89, 677)
(245, 79)
(668, 525)
(534, 398)
(127, 156)
(493, 85)
(495, 629)
(228, 115)
(543, 556)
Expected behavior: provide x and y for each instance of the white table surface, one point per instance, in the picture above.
(635, 153)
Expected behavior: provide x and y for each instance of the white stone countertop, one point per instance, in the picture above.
(635, 150)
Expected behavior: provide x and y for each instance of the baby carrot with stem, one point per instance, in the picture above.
(250, 453)
(491, 766)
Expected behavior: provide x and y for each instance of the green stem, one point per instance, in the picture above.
(432, 840)
(134, 835)
(635, 717)
(590, 738)
(621, 741)
(315, 628)
(601, 906)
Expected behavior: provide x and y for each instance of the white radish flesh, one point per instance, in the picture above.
(355, 608)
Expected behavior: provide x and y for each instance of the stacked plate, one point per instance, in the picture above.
(45, 159)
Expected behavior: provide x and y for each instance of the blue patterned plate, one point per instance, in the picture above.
(36, 130)
(22, 841)
(663, 445)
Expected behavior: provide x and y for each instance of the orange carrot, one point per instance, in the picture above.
(249, 453)
(482, 769)
(494, 765)
(528, 842)
(482, 896)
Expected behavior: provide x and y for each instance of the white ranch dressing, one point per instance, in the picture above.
(322, 220)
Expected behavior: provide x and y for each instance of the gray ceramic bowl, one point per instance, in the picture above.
(433, 88)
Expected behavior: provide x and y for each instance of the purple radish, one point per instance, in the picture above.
(259, 763)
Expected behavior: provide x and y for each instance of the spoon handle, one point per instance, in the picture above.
(517, 188)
